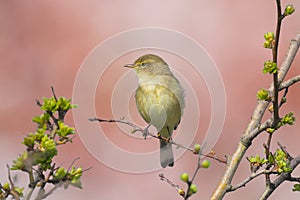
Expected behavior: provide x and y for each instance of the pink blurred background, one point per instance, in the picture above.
(43, 44)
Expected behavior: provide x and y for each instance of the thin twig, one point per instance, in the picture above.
(53, 92)
(12, 191)
(267, 152)
(289, 82)
(283, 98)
(250, 178)
(73, 163)
(294, 179)
(165, 179)
(187, 194)
(139, 129)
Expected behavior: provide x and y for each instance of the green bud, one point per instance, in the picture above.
(263, 95)
(19, 191)
(5, 186)
(282, 162)
(60, 173)
(296, 188)
(49, 104)
(288, 119)
(289, 9)
(197, 148)
(270, 130)
(270, 67)
(269, 36)
(268, 44)
(269, 39)
(64, 130)
(19, 163)
(181, 192)
(184, 177)
(271, 108)
(205, 164)
(193, 189)
(28, 141)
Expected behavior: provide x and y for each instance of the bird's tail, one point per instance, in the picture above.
(166, 152)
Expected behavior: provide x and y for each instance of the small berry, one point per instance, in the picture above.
(205, 164)
(193, 189)
(197, 148)
(184, 177)
(5, 186)
(289, 9)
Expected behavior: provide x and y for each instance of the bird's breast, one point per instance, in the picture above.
(158, 105)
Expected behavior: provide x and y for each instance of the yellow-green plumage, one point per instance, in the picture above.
(159, 99)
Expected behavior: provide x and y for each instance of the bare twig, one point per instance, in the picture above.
(163, 178)
(289, 82)
(283, 98)
(53, 92)
(136, 128)
(73, 163)
(12, 191)
(250, 178)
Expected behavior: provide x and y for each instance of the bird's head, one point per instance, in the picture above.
(150, 64)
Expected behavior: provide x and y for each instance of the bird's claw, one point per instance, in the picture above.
(145, 133)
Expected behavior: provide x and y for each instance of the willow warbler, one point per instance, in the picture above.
(159, 99)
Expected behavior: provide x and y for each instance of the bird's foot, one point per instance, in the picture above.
(146, 131)
(168, 140)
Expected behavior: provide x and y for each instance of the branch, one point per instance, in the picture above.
(286, 176)
(289, 82)
(165, 179)
(145, 132)
(250, 178)
(45, 195)
(250, 133)
(275, 75)
(12, 191)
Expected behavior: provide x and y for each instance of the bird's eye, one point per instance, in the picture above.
(143, 64)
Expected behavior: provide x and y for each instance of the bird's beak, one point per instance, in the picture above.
(129, 65)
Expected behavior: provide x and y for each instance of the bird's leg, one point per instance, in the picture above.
(146, 131)
(169, 139)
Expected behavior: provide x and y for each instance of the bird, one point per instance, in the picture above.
(159, 99)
